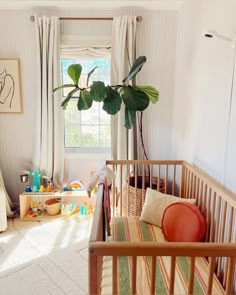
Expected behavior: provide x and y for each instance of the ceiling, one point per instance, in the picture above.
(156, 4)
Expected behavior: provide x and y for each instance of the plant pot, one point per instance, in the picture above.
(146, 182)
(134, 198)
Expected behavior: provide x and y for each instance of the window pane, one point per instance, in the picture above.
(90, 128)
(71, 114)
(105, 138)
(105, 119)
(90, 116)
(89, 136)
(72, 137)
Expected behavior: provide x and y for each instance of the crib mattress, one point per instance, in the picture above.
(134, 230)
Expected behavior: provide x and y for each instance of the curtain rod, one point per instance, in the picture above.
(138, 18)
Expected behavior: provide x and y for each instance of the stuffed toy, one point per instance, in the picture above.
(103, 172)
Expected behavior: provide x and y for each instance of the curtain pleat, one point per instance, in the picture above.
(4, 202)
(122, 57)
(49, 149)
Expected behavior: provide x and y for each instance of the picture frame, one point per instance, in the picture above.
(10, 86)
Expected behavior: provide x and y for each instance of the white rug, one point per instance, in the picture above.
(44, 257)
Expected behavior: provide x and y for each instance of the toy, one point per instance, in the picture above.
(27, 188)
(35, 189)
(67, 209)
(42, 189)
(34, 206)
(90, 209)
(106, 172)
(49, 187)
(36, 183)
(74, 185)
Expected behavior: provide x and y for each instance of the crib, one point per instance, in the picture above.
(177, 178)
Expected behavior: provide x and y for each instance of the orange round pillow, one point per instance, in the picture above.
(183, 222)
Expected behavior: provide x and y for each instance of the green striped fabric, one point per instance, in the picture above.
(132, 229)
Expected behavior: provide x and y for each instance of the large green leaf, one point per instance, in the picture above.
(98, 91)
(129, 118)
(85, 102)
(74, 71)
(90, 73)
(135, 100)
(63, 86)
(68, 97)
(136, 67)
(151, 92)
(112, 102)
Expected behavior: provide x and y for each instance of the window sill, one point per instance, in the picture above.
(100, 156)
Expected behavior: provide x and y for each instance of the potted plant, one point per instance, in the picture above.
(136, 98)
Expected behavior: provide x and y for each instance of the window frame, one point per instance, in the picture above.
(86, 152)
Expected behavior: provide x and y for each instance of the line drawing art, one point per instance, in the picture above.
(7, 88)
(10, 86)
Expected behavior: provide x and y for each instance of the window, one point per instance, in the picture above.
(87, 131)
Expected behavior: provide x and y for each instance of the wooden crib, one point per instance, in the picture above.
(177, 178)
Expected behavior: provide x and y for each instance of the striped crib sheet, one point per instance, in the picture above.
(134, 230)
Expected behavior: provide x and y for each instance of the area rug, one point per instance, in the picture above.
(46, 257)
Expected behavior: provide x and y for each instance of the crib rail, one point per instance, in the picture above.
(192, 250)
(164, 176)
(218, 205)
(180, 179)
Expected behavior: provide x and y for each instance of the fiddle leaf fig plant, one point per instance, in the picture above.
(135, 98)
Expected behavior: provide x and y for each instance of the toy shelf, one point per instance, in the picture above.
(80, 197)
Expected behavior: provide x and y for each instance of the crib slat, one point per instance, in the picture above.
(93, 285)
(153, 275)
(230, 272)
(159, 177)
(143, 184)
(174, 181)
(212, 226)
(172, 274)
(114, 274)
(128, 191)
(189, 183)
(208, 220)
(193, 186)
(200, 194)
(134, 272)
(136, 187)
(151, 174)
(221, 236)
(210, 275)
(205, 187)
(120, 190)
(216, 239)
(182, 182)
(191, 275)
(229, 237)
(166, 179)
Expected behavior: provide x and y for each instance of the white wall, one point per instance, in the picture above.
(17, 130)
(156, 40)
(203, 90)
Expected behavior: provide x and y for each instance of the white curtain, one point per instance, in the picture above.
(5, 201)
(49, 148)
(122, 57)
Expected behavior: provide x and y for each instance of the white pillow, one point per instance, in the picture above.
(155, 205)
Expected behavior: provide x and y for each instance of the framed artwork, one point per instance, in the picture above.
(10, 86)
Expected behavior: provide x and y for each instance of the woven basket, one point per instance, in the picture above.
(128, 206)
